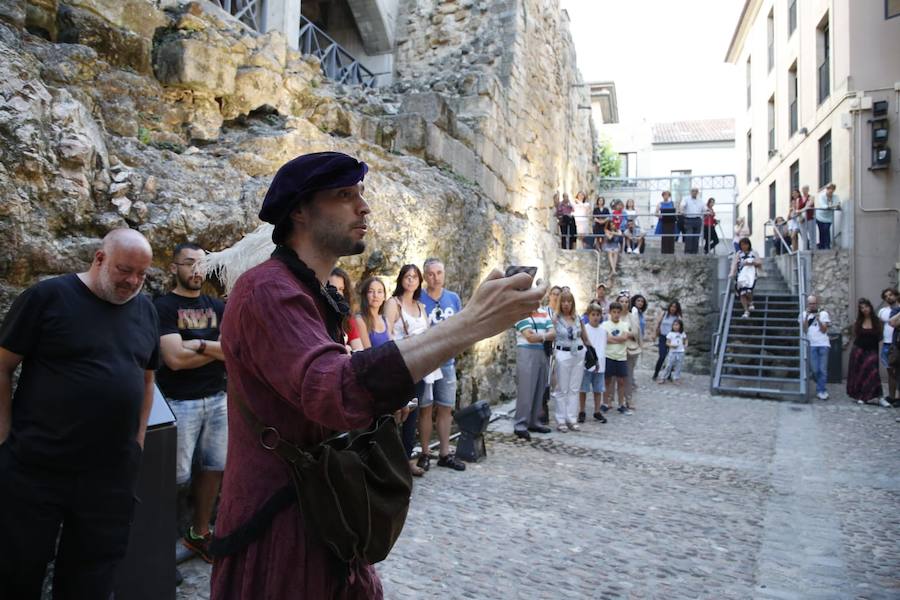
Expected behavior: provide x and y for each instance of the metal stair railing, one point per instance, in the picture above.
(337, 64)
(720, 338)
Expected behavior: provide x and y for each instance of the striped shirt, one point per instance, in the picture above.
(539, 322)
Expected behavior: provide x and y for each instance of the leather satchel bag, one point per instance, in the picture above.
(353, 488)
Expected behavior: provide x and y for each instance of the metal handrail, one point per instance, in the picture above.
(777, 234)
(337, 64)
(804, 339)
(724, 325)
(647, 231)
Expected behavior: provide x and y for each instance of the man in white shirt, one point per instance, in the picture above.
(892, 308)
(692, 208)
(815, 323)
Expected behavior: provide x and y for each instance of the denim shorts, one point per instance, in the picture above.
(442, 391)
(202, 427)
(885, 349)
(597, 381)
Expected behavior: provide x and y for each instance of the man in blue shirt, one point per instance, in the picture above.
(440, 304)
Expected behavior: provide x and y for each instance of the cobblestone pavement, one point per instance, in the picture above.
(693, 496)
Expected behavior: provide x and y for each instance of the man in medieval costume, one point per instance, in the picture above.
(281, 340)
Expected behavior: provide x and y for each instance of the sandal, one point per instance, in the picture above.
(415, 470)
(424, 461)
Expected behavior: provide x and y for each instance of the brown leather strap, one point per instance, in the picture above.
(269, 437)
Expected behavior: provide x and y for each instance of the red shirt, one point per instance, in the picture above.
(617, 219)
(294, 376)
(804, 201)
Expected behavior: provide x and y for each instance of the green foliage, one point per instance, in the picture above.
(609, 163)
(144, 135)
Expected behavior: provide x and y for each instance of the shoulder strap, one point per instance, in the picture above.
(269, 437)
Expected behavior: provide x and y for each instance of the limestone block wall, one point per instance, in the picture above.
(179, 138)
(831, 283)
(506, 70)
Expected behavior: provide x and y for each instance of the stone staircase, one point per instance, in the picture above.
(763, 355)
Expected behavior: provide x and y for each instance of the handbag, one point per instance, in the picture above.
(353, 489)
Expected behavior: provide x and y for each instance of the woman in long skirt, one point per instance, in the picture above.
(863, 381)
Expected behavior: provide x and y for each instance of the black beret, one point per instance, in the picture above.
(301, 177)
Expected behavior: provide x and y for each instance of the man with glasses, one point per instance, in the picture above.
(192, 379)
(440, 305)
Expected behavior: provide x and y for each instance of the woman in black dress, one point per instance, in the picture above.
(863, 381)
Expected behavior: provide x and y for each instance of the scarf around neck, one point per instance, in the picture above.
(337, 307)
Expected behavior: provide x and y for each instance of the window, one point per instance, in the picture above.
(770, 31)
(748, 82)
(749, 156)
(750, 218)
(627, 164)
(792, 17)
(793, 117)
(825, 160)
(823, 53)
(795, 175)
(773, 201)
(772, 126)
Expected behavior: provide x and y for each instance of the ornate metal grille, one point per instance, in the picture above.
(337, 64)
(248, 12)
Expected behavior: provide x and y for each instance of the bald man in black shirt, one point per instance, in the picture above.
(71, 437)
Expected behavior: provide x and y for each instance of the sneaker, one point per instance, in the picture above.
(752, 307)
(598, 416)
(822, 396)
(574, 427)
(562, 428)
(450, 461)
(884, 402)
(621, 410)
(746, 315)
(581, 417)
(198, 544)
(826, 395)
(604, 407)
(628, 411)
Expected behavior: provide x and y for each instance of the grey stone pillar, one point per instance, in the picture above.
(283, 16)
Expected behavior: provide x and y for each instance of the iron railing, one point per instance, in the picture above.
(248, 12)
(719, 337)
(337, 64)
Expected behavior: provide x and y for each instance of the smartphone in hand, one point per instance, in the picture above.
(513, 269)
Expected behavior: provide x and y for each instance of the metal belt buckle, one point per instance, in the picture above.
(266, 434)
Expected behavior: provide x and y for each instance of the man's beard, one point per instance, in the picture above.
(108, 290)
(188, 283)
(334, 242)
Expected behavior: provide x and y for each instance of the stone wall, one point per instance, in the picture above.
(514, 116)
(173, 122)
(830, 281)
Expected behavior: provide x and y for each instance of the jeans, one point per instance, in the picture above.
(202, 431)
(663, 351)
(808, 233)
(567, 231)
(824, 235)
(692, 227)
(818, 361)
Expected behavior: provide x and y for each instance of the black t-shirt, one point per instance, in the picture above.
(194, 319)
(79, 398)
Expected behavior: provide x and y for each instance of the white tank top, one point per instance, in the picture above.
(414, 324)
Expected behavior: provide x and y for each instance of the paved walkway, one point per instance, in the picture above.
(693, 496)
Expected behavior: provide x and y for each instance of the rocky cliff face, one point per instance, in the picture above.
(171, 118)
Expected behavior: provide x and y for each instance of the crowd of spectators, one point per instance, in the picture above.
(571, 357)
(615, 227)
(809, 221)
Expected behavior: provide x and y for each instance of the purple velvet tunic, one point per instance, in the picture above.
(293, 376)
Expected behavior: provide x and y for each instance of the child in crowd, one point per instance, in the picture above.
(592, 381)
(618, 332)
(677, 341)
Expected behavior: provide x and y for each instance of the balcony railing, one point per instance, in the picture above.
(248, 12)
(337, 64)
